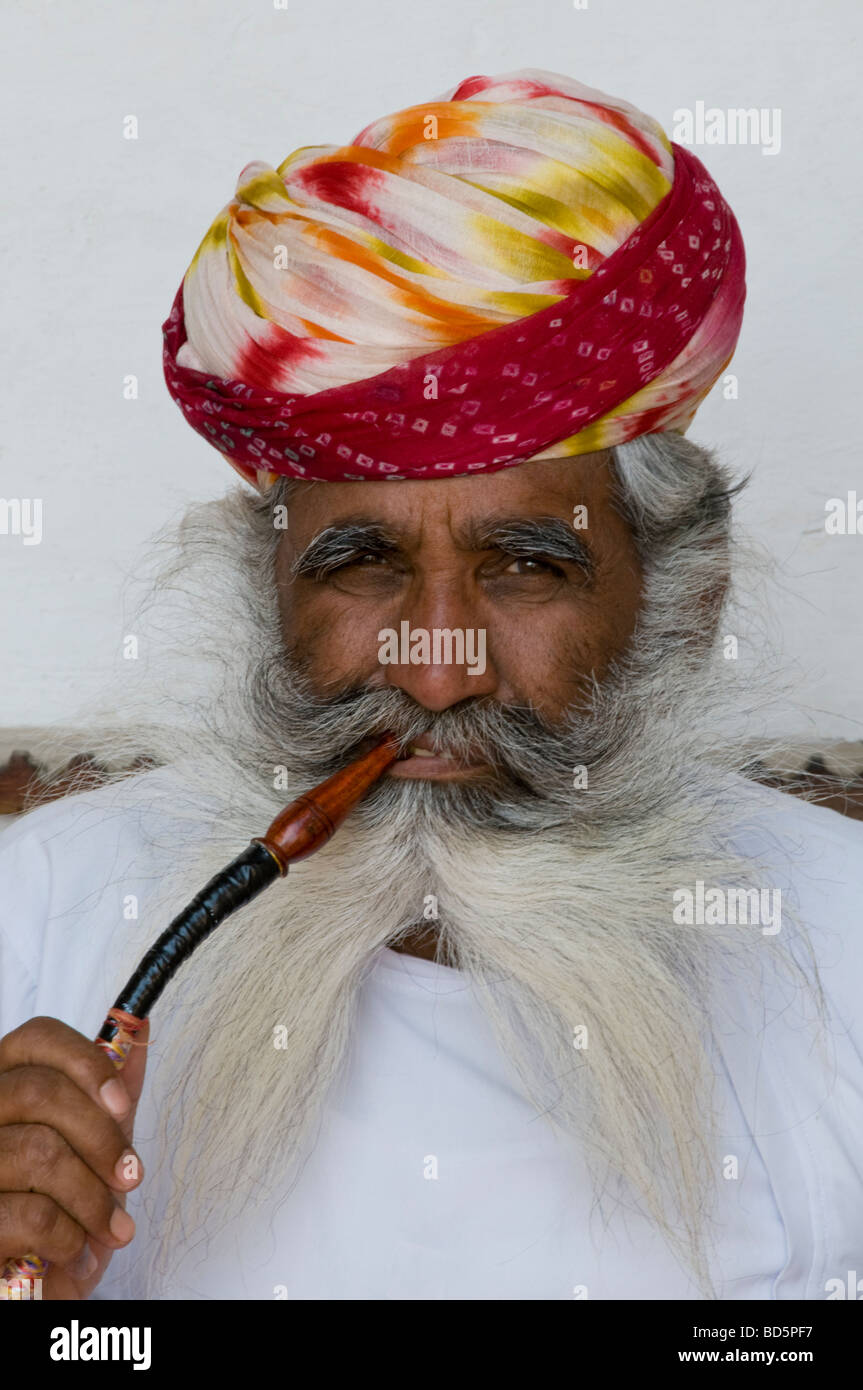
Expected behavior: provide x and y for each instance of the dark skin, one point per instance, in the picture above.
(550, 622)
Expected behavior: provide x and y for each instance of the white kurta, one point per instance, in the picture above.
(432, 1177)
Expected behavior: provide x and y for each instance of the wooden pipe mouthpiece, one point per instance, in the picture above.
(307, 823)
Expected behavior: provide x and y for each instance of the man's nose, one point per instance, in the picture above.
(452, 657)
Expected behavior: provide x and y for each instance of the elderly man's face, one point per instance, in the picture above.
(506, 553)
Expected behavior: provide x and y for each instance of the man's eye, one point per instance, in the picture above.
(532, 564)
(365, 573)
(367, 560)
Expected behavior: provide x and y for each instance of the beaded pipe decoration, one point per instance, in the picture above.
(301, 828)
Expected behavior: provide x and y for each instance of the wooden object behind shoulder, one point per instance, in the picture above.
(23, 783)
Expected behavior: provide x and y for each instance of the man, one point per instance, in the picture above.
(564, 1009)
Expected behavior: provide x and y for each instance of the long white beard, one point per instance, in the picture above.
(555, 934)
(555, 902)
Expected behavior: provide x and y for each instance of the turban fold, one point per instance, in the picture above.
(524, 268)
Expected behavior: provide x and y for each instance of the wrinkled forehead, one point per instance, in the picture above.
(554, 487)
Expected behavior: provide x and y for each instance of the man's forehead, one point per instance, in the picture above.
(550, 487)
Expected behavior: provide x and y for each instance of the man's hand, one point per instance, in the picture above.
(66, 1159)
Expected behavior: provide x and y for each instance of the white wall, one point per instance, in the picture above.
(98, 231)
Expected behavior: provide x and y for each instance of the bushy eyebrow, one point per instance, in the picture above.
(549, 537)
(337, 545)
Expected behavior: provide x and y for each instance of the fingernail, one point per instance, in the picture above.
(122, 1225)
(115, 1097)
(83, 1266)
(129, 1168)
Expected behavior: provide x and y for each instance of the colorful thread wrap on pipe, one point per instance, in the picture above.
(523, 268)
(299, 830)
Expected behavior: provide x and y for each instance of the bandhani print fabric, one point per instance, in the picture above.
(524, 268)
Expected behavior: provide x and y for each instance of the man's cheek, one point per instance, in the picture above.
(335, 642)
(547, 645)
(552, 665)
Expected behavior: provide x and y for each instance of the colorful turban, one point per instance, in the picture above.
(524, 268)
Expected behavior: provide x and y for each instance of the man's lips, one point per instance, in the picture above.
(421, 760)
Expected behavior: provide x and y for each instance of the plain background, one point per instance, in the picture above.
(98, 231)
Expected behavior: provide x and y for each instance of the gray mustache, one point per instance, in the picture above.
(324, 732)
(524, 752)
